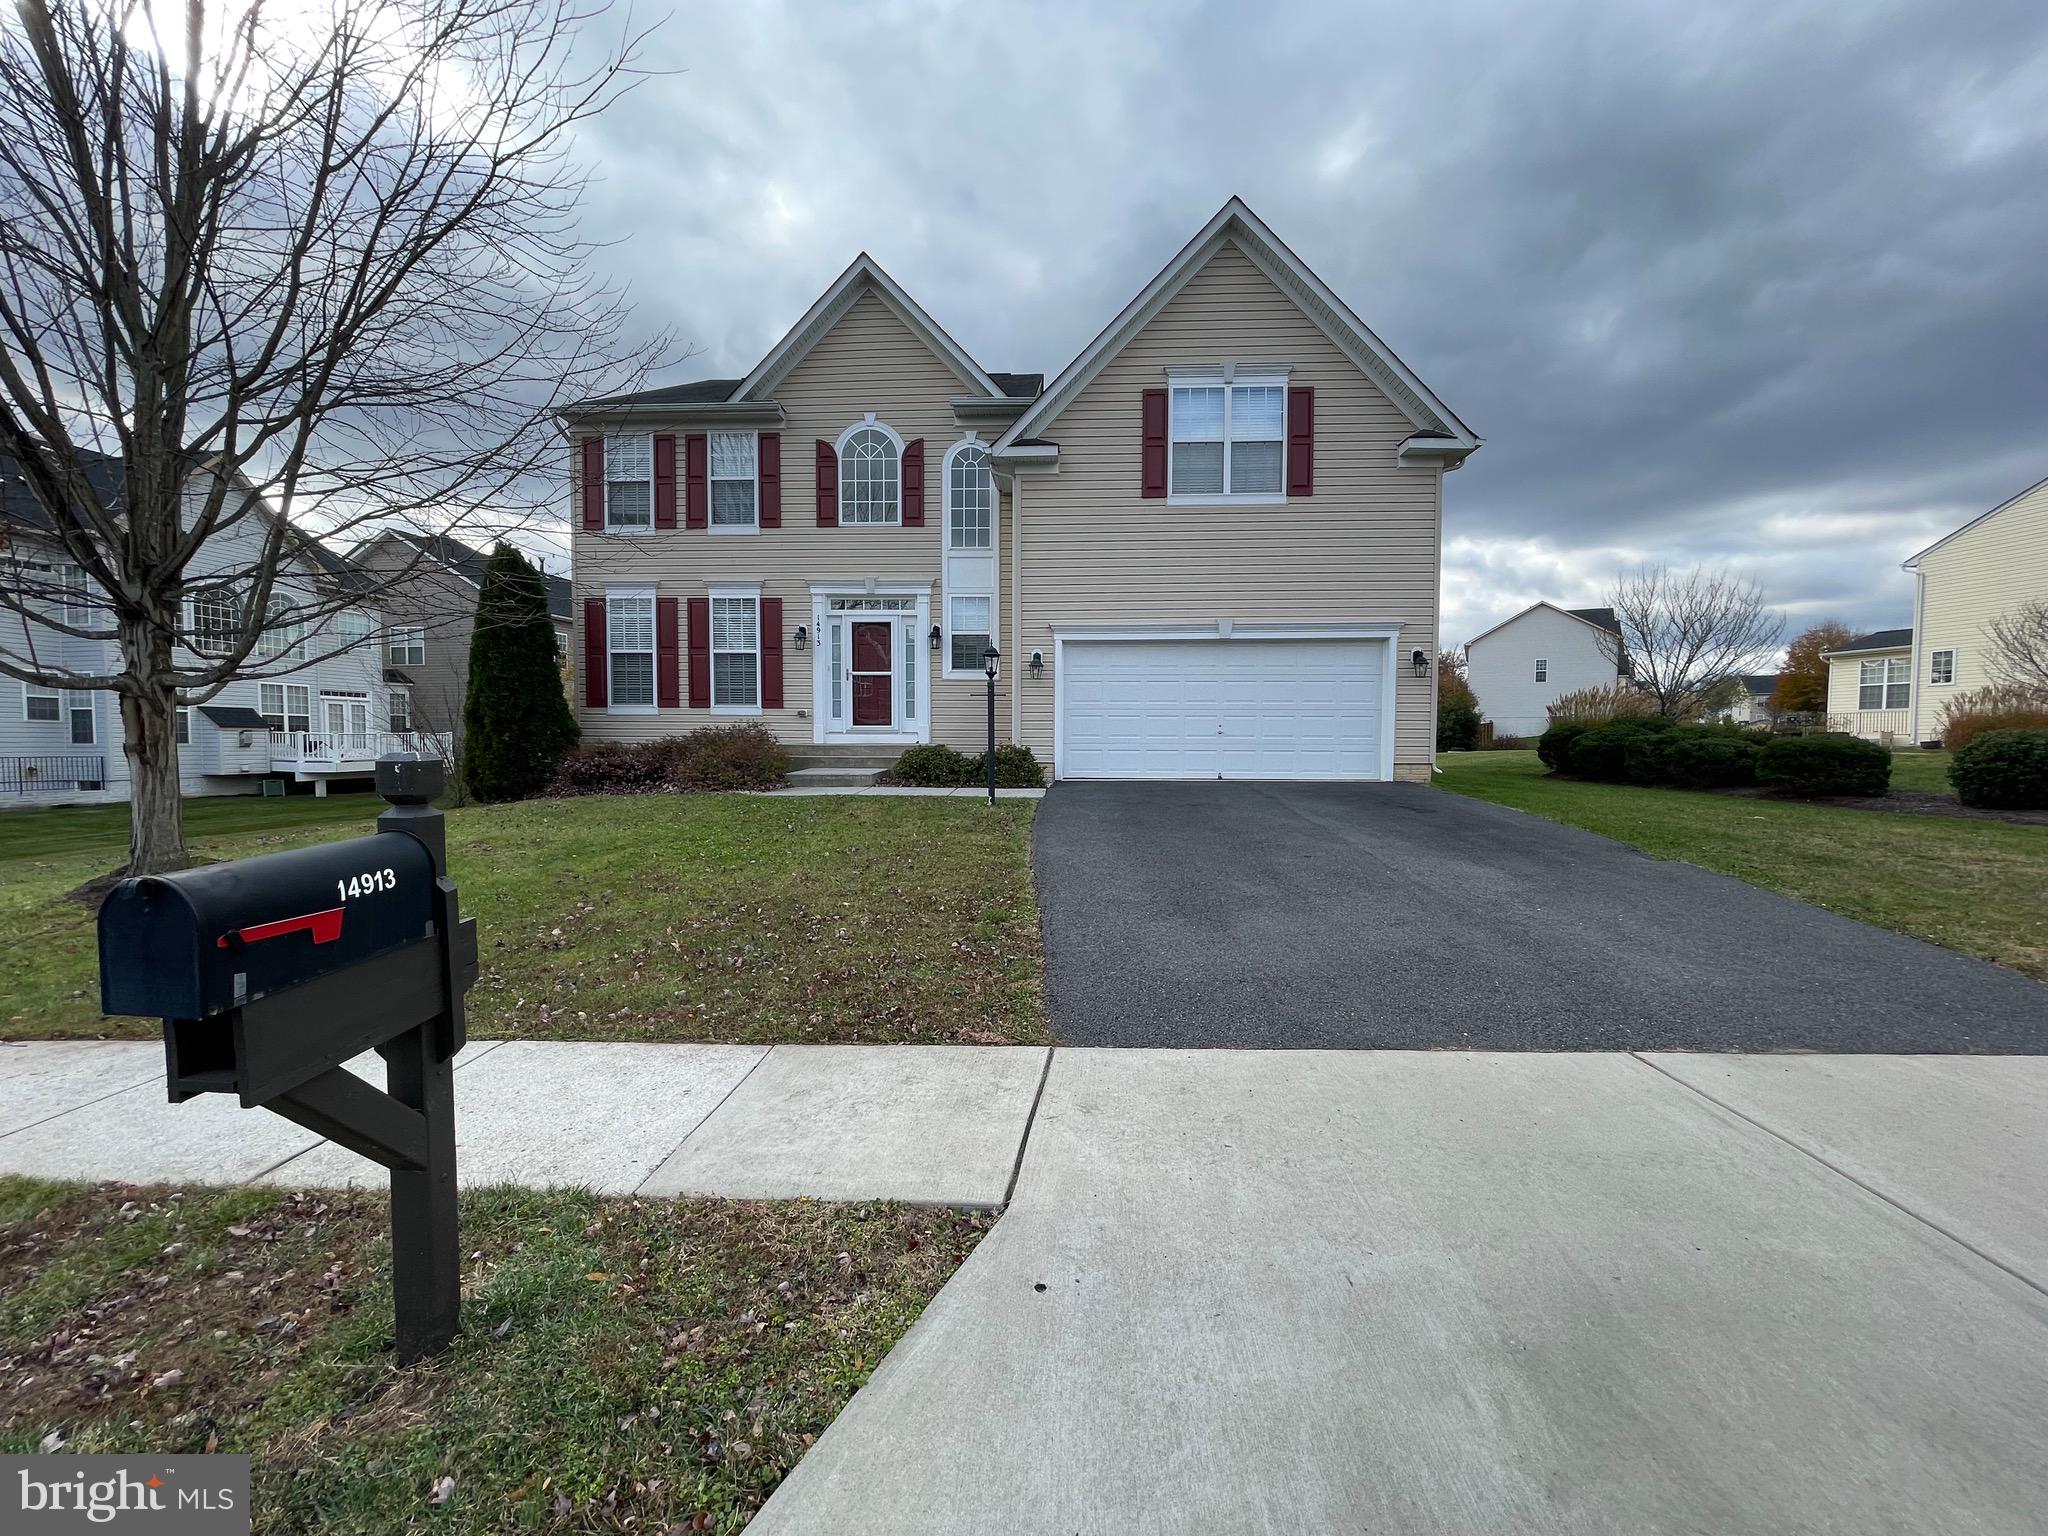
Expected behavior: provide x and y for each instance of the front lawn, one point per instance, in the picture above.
(1980, 887)
(624, 1365)
(657, 917)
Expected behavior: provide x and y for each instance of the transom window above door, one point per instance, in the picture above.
(1226, 437)
(870, 477)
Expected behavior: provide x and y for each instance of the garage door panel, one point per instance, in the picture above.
(1240, 708)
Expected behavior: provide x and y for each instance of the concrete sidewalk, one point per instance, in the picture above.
(1425, 1292)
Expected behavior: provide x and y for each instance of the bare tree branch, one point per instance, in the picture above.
(1685, 633)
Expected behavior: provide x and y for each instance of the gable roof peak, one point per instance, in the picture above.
(1236, 223)
(862, 275)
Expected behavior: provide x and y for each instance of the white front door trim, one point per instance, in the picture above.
(1385, 631)
(911, 625)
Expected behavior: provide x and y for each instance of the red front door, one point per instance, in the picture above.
(874, 680)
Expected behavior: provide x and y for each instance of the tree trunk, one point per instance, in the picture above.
(149, 732)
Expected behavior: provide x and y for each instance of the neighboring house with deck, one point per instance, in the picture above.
(1522, 664)
(313, 714)
(1752, 705)
(427, 588)
(1208, 548)
(1870, 687)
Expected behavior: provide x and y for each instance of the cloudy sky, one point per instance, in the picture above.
(1763, 285)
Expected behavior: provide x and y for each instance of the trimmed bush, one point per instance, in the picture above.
(1554, 746)
(1016, 768)
(2003, 770)
(1825, 765)
(932, 767)
(1601, 754)
(723, 757)
(2000, 707)
(1599, 706)
(1702, 757)
(1457, 727)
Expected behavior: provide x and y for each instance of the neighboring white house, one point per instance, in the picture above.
(312, 724)
(1870, 687)
(1987, 567)
(1518, 667)
(1753, 705)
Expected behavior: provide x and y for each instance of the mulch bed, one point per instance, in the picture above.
(1903, 802)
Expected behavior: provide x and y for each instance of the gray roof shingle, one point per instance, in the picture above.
(1602, 617)
(1879, 640)
(468, 563)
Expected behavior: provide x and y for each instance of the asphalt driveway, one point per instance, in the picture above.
(1399, 916)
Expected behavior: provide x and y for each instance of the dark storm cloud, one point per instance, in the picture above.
(1755, 284)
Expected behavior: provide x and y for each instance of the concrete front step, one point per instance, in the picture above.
(843, 757)
(834, 777)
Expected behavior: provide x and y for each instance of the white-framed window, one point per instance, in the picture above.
(279, 636)
(183, 718)
(407, 646)
(40, 705)
(78, 607)
(285, 706)
(870, 475)
(970, 498)
(629, 480)
(216, 622)
(1941, 667)
(1885, 684)
(353, 626)
(735, 485)
(736, 652)
(968, 626)
(1542, 669)
(1226, 437)
(629, 625)
(78, 712)
(398, 710)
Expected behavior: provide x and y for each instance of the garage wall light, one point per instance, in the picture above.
(935, 637)
(1420, 662)
(1038, 663)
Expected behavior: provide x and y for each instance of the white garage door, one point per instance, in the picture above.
(1221, 709)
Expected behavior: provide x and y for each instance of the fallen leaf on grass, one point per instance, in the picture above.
(444, 1490)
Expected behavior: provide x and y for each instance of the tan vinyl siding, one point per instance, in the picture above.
(1364, 547)
(869, 361)
(1982, 573)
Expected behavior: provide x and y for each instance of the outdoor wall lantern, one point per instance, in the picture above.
(802, 637)
(935, 637)
(1038, 664)
(1420, 663)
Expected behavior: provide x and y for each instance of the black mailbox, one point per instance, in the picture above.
(197, 943)
(269, 973)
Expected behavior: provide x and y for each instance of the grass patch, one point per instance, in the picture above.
(1922, 770)
(1980, 887)
(624, 1364)
(652, 917)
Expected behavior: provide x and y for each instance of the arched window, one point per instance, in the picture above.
(970, 498)
(870, 477)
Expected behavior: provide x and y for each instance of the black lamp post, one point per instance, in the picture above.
(990, 660)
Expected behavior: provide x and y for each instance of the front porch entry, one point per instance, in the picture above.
(870, 680)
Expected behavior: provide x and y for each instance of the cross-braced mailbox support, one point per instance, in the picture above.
(271, 972)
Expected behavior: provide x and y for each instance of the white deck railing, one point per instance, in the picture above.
(1885, 725)
(315, 751)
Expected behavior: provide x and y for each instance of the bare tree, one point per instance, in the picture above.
(1686, 633)
(256, 260)
(2018, 653)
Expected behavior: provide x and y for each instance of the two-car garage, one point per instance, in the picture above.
(1278, 703)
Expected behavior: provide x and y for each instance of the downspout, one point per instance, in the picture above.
(1919, 642)
(1018, 668)
(1436, 630)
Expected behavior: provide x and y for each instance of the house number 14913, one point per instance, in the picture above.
(368, 883)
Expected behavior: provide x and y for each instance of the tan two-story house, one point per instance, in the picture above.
(1209, 548)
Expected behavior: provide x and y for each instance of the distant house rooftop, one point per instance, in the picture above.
(468, 563)
(1877, 640)
(1602, 617)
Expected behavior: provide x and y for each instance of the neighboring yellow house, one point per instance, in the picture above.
(1986, 568)
(1890, 685)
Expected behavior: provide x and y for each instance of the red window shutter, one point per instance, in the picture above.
(668, 667)
(593, 483)
(697, 473)
(828, 485)
(913, 484)
(771, 653)
(1152, 460)
(700, 653)
(595, 693)
(664, 480)
(1301, 442)
(768, 460)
